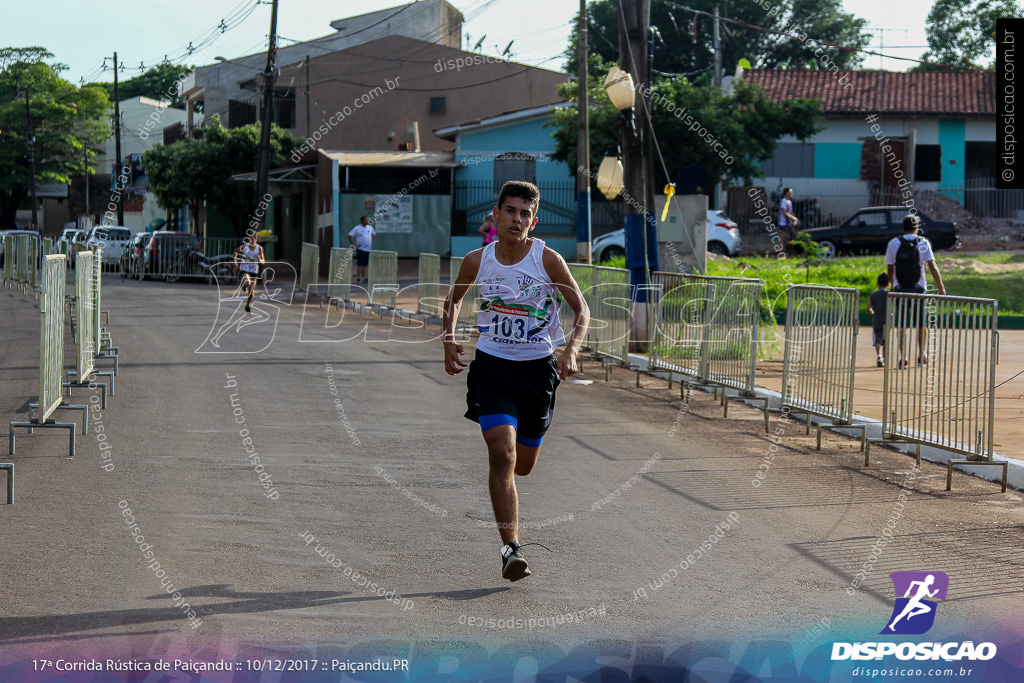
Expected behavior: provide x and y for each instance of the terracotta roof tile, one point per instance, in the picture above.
(926, 93)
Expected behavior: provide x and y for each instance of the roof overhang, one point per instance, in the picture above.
(393, 159)
(543, 111)
(292, 174)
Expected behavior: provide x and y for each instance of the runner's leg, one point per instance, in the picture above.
(501, 451)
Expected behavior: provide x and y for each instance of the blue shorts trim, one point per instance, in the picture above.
(491, 421)
(527, 441)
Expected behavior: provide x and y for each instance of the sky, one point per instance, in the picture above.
(82, 34)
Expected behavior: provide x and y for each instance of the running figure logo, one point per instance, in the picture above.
(235, 330)
(914, 613)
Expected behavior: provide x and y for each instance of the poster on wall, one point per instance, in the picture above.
(393, 214)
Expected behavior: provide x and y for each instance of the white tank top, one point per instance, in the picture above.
(518, 317)
(251, 256)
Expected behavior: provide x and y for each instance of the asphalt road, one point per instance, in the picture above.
(368, 469)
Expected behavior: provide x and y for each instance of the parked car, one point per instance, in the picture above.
(20, 231)
(76, 245)
(132, 256)
(869, 230)
(723, 239)
(112, 239)
(171, 255)
(63, 245)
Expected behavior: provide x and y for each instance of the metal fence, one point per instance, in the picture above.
(610, 309)
(382, 279)
(51, 330)
(428, 299)
(174, 256)
(939, 383)
(820, 352)
(680, 309)
(85, 312)
(339, 279)
(309, 267)
(470, 303)
(10, 258)
(51, 359)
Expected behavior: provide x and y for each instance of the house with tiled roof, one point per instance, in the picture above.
(884, 130)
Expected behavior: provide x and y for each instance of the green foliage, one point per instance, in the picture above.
(199, 168)
(962, 32)
(66, 121)
(732, 133)
(158, 83)
(861, 273)
(678, 53)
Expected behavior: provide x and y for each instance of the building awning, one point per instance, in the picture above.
(394, 159)
(292, 174)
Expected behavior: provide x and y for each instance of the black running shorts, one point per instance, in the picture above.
(523, 389)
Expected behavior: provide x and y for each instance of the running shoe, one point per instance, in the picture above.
(513, 564)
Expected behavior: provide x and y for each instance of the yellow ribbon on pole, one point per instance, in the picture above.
(670, 191)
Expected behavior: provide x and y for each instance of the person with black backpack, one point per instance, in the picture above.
(905, 259)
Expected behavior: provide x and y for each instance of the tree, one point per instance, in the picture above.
(158, 83)
(726, 134)
(962, 32)
(199, 169)
(677, 52)
(66, 122)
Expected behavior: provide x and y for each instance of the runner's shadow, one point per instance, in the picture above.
(43, 628)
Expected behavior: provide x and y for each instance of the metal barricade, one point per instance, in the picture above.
(85, 311)
(470, 303)
(382, 279)
(819, 359)
(309, 267)
(428, 300)
(47, 247)
(611, 313)
(10, 258)
(584, 275)
(681, 307)
(51, 357)
(339, 279)
(23, 258)
(939, 383)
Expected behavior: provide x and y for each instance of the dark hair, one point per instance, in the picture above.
(366, 218)
(883, 280)
(785, 190)
(520, 190)
(910, 221)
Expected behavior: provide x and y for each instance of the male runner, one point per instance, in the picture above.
(512, 380)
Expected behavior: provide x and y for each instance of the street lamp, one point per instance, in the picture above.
(621, 91)
(609, 175)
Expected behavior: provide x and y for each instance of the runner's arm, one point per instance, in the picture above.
(453, 364)
(936, 276)
(562, 279)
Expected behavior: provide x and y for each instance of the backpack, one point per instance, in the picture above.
(908, 263)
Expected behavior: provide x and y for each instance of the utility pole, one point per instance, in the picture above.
(117, 148)
(583, 147)
(717, 42)
(30, 138)
(308, 131)
(641, 229)
(266, 116)
(85, 155)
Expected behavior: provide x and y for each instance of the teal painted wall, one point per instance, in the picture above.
(837, 160)
(524, 136)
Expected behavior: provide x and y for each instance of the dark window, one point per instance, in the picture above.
(514, 166)
(874, 219)
(792, 160)
(241, 113)
(284, 109)
(928, 163)
(438, 105)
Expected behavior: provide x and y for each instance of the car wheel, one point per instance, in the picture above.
(717, 247)
(827, 249)
(611, 252)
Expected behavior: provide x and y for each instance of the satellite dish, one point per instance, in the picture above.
(480, 42)
(508, 49)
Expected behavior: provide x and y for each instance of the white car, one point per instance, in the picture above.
(112, 239)
(723, 238)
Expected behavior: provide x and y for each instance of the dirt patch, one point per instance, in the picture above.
(965, 266)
